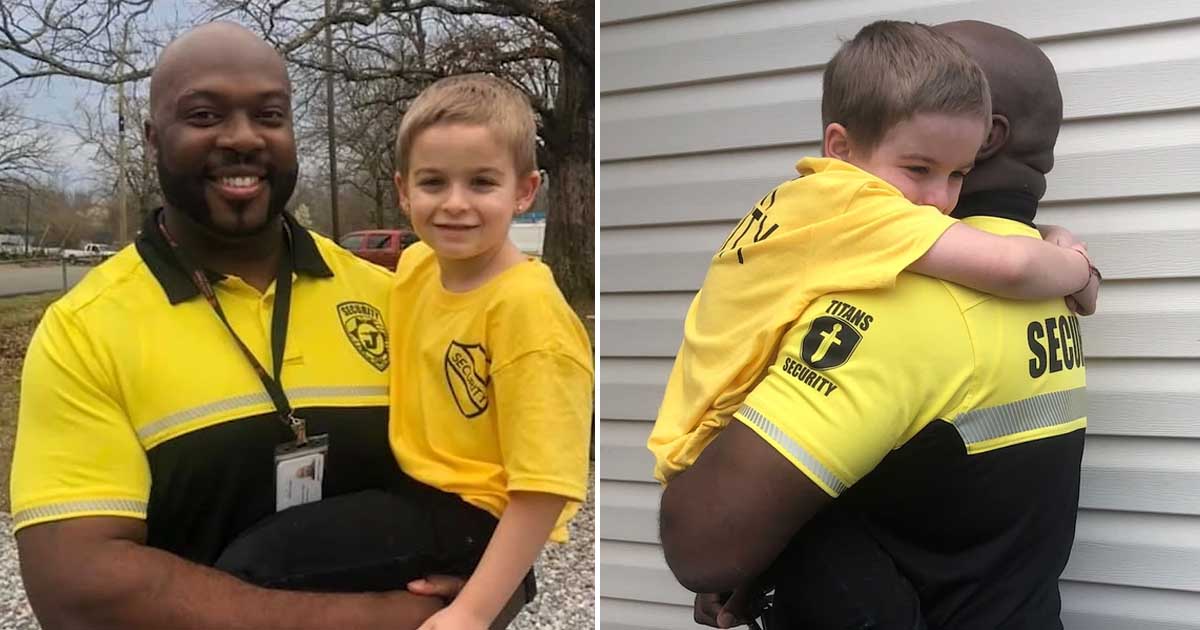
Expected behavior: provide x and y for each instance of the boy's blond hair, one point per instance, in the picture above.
(474, 99)
(891, 71)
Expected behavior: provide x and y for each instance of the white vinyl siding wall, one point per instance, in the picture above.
(706, 105)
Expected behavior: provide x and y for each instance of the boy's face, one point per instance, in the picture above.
(926, 157)
(462, 190)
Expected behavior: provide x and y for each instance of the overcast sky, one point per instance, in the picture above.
(55, 102)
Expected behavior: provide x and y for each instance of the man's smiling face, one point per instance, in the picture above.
(221, 133)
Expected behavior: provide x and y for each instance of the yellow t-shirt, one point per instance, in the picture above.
(835, 228)
(491, 388)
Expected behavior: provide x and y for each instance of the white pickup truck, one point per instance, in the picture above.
(90, 250)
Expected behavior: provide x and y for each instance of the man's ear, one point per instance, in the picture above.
(150, 137)
(401, 194)
(997, 138)
(836, 143)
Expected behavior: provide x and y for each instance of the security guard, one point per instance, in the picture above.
(948, 424)
(228, 365)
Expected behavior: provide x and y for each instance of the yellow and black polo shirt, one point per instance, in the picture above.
(952, 421)
(137, 402)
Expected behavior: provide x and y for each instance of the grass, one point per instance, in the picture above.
(18, 317)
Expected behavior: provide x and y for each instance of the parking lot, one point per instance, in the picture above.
(18, 279)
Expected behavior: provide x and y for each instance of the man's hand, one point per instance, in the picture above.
(726, 610)
(1059, 235)
(446, 587)
(1082, 302)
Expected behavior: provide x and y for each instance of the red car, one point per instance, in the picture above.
(381, 247)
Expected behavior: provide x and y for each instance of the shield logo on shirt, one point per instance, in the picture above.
(829, 343)
(367, 332)
(467, 373)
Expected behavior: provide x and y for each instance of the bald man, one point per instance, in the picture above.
(966, 521)
(227, 365)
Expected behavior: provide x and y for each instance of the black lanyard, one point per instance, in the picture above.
(279, 325)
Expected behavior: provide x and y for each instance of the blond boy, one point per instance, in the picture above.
(491, 390)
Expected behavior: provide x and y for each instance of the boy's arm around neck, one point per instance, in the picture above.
(1012, 266)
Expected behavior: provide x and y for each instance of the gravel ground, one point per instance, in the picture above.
(14, 607)
(566, 580)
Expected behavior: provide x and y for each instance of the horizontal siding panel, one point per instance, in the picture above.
(768, 39)
(638, 571)
(1119, 474)
(613, 11)
(694, 25)
(1141, 474)
(1085, 607)
(1165, 555)
(625, 614)
(630, 510)
(1164, 552)
(1104, 607)
(622, 451)
(778, 116)
(1076, 58)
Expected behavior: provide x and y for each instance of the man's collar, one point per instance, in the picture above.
(161, 260)
(1013, 205)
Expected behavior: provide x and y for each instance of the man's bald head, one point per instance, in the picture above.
(218, 44)
(1024, 91)
(220, 131)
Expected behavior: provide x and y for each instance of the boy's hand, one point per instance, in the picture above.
(454, 618)
(1059, 235)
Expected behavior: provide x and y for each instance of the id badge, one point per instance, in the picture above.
(299, 472)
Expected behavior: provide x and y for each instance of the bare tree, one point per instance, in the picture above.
(546, 47)
(97, 128)
(26, 150)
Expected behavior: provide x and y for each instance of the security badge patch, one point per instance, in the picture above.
(829, 343)
(468, 373)
(367, 332)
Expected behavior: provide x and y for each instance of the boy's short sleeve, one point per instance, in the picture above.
(879, 234)
(542, 380)
(546, 398)
(76, 453)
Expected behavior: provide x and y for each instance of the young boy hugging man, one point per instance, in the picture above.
(905, 112)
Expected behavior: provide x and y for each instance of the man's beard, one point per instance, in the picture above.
(186, 192)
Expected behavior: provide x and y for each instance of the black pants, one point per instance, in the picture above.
(372, 540)
(834, 576)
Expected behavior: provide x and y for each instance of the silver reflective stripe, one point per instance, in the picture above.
(792, 448)
(72, 508)
(1036, 412)
(248, 400)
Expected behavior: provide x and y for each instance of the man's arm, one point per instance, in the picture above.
(96, 572)
(725, 519)
(855, 374)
